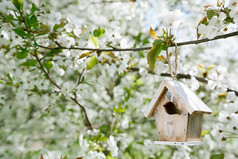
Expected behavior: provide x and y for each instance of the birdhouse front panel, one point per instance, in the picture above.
(171, 118)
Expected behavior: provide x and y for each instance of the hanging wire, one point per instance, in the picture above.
(173, 75)
(176, 61)
(168, 60)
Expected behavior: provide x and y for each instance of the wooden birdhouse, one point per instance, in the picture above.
(178, 114)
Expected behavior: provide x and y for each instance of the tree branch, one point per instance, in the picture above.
(84, 110)
(80, 77)
(144, 48)
(185, 76)
(46, 73)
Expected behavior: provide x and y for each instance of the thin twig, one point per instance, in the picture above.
(112, 122)
(45, 72)
(84, 110)
(80, 77)
(144, 48)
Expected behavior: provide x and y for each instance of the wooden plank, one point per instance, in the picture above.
(195, 143)
(194, 126)
(149, 111)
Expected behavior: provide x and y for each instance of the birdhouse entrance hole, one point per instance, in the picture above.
(171, 109)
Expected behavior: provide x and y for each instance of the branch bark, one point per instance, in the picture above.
(144, 48)
(186, 76)
(45, 72)
(84, 110)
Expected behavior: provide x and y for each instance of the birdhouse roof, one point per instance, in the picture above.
(187, 97)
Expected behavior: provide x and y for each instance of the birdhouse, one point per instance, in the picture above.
(178, 114)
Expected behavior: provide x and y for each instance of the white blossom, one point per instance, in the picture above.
(171, 19)
(5, 6)
(55, 17)
(224, 116)
(52, 155)
(194, 83)
(66, 41)
(112, 146)
(233, 4)
(95, 155)
(234, 14)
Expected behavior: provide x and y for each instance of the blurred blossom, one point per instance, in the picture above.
(52, 155)
(194, 83)
(171, 19)
(231, 96)
(95, 155)
(55, 17)
(112, 146)
(143, 72)
(224, 116)
(5, 6)
(65, 40)
(125, 122)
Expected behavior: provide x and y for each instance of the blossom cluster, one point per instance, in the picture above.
(218, 19)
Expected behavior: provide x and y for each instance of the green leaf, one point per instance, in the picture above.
(19, 31)
(217, 156)
(92, 62)
(27, 21)
(94, 40)
(33, 8)
(33, 19)
(29, 63)
(103, 138)
(210, 13)
(210, 67)
(65, 157)
(204, 132)
(110, 157)
(157, 42)
(48, 65)
(98, 32)
(154, 52)
(9, 76)
(18, 4)
(23, 54)
(58, 26)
